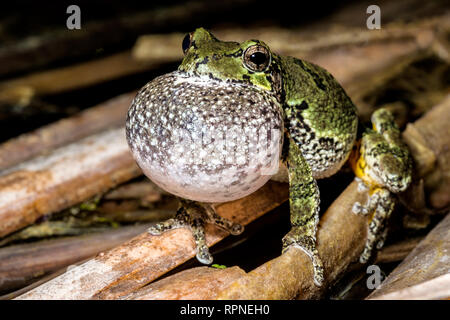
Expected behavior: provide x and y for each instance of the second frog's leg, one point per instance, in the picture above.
(384, 165)
(195, 215)
(304, 201)
(379, 206)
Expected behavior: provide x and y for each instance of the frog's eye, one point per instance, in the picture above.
(256, 58)
(186, 42)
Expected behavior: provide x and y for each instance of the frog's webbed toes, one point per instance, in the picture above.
(181, 219)
(214, 218)
(298, 238)
(167, 225)
(194, 215)
(358, 208)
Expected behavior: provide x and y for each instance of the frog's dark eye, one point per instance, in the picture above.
(257, 58)
(186, 42)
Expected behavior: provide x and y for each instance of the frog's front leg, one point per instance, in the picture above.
(384, 165)
(304, 203)
(195, 215)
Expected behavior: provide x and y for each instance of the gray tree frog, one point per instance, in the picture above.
(235, 114)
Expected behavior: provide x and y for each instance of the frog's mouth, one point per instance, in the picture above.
(203, 139)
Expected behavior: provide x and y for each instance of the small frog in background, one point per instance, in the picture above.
(196, 132)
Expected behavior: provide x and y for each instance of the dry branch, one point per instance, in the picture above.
(429, 139)
(106, 115)
(144, 190)
(425, 272)
(63, 178)
(436, 288)
(193, 284)
(20, 264)
(340, 237)
(132, 265)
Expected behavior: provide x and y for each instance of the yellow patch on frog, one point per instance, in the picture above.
(374, 127)
(360, 168)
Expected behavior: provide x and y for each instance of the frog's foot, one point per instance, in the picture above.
(195, 215)
(379, 206)
(298, 238)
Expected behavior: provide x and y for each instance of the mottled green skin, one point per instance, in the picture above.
(385, 166)
(320, 124)
(386, 156)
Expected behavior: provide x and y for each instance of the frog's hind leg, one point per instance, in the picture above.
(379, 206)
(195, 215)
(384, 166)
(304, 203)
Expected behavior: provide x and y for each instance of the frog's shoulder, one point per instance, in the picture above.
(319, 115)
(306, 81)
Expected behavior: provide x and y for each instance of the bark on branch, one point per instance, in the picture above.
(67, 176)
(106, 115)
(431, 258)
(141, 260)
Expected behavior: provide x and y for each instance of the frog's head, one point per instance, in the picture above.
(249, 62)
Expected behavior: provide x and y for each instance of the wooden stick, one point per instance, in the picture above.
(192, 284)
(397, 251)
(63, 178)
(21, 264)
(106, 115)
(436, 288)
(130, 266)
(37, 283)
(429, 139)
(428, 261)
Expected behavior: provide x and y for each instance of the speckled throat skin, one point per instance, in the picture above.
(205, 140)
